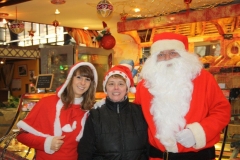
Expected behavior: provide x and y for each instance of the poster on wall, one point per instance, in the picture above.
(22, 70)
(16, 84)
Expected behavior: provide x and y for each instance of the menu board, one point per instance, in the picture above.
(44, 81)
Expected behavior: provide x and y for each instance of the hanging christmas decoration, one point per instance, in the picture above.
(187, 2)
(58, 1)
(123, 16)
(106, 40)
(104, 8)
(31, 32)
(55, 23)
(16, 26)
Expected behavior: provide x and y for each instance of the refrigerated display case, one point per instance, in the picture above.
(26, 103)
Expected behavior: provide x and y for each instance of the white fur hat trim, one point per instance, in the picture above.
(71, 73)
(113, 73)
(162, 45)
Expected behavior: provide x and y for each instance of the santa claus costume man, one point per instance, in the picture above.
(182, 103)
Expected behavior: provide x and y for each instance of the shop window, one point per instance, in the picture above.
(208, 50)
(44, 34)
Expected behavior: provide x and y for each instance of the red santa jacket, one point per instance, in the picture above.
(209, 113)
(48, 119)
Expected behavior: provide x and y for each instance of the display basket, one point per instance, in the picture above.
(228, 76)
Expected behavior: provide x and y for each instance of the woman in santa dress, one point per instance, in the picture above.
(55, 124)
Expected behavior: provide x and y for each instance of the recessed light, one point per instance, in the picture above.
(136, 10)
(57, 11)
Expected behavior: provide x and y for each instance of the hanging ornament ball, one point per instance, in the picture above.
(55, 23)
(187, 1)
(16, 26)
(108, 41)
(104, 8)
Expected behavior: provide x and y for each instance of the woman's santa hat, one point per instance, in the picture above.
(125, 72)
(168, 41)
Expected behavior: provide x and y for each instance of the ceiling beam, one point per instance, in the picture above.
(174, 19)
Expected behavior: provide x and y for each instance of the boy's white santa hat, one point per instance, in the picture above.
(167, 41)
(125, 72)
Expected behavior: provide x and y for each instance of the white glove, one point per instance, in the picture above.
(185, 137)
(99, 103)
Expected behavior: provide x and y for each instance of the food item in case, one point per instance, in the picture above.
(28, 106)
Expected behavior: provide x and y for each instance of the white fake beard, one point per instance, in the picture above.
(170, 83)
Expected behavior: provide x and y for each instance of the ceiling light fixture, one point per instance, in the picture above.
(57, 11)
(4, 21)
(58, 1)
(3, 16)
(2, 60)
(104, 8)
(136, 10)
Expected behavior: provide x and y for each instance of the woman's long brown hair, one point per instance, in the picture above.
(88, 97)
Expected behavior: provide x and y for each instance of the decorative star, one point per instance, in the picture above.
(31, 32)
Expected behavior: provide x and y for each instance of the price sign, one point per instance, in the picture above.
(44, 81)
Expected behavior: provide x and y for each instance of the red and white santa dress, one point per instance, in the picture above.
(47, 119)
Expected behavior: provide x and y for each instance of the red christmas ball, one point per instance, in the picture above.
(187, 1)
(108, 41)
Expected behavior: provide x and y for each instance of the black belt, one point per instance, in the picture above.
(205, 154)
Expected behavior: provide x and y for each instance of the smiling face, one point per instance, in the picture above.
(80, 84)
(116, 88)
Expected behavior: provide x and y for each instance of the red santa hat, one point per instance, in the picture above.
(125, 73)
(168, 40)
(73, 68)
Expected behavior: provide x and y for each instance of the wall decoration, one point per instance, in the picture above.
(16, 84)
(22, 70)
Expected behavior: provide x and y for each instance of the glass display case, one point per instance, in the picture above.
(57, 60)
(26, 103)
